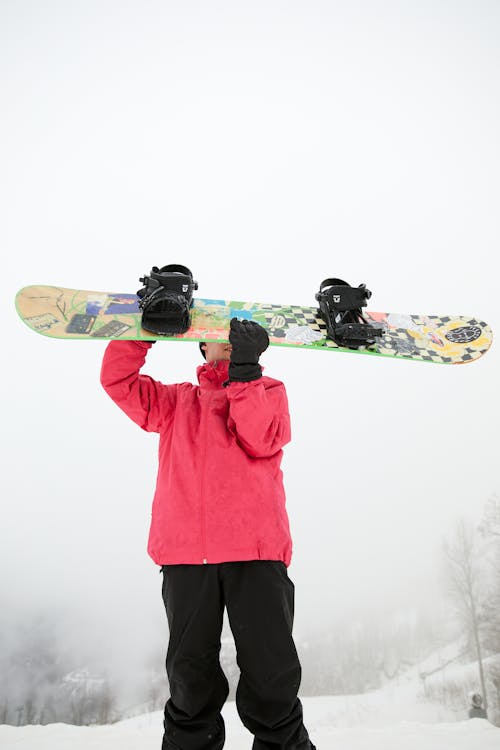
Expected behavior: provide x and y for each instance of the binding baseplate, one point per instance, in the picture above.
(340, 306)
(166, 298)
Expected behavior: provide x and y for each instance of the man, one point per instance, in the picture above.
(477, 710)
(220, 532)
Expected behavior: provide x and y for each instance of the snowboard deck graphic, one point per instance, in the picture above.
(63, 313)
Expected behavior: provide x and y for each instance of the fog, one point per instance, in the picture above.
(267, 148)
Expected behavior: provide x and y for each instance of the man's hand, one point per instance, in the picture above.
(248, 340)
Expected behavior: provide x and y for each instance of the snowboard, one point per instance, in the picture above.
(63, 313)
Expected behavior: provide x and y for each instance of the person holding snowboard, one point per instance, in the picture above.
(220, 532)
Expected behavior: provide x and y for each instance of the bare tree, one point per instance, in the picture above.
(490, 532)
(464, 577)
(490, 525)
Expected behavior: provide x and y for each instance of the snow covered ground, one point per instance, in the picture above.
(343, 722)
(395, 717)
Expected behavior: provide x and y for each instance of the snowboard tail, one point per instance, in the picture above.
(64, 313)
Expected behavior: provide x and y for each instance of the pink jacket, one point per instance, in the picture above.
(219, 492)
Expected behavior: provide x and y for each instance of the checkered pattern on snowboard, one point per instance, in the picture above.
(277, 317)
(396, 342)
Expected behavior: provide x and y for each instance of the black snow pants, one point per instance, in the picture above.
(259, 597)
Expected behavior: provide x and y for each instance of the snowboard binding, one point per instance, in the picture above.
(340, 306)
(166, 299)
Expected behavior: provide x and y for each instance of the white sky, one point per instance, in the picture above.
(266, 145)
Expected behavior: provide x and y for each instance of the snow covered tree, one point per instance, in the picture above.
(491, 607)
(490, 532)
(466, 586)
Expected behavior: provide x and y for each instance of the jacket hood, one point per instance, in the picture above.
(212, 374)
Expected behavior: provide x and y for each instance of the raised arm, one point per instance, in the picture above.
(145, 400)
(259, 417)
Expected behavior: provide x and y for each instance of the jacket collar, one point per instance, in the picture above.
(213, 374)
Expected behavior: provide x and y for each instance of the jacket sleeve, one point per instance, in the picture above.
(146, 401)
(259, 417)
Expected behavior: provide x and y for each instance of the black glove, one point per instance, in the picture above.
(248, 340)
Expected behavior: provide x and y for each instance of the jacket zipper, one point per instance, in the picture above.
(202, 483)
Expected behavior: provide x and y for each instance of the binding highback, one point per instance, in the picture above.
(166, 299)
(340, 306)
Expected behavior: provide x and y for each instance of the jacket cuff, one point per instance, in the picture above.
(243, 373)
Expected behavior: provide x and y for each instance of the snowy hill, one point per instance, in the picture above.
(144, 732)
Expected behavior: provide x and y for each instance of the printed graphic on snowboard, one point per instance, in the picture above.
(73, 314)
